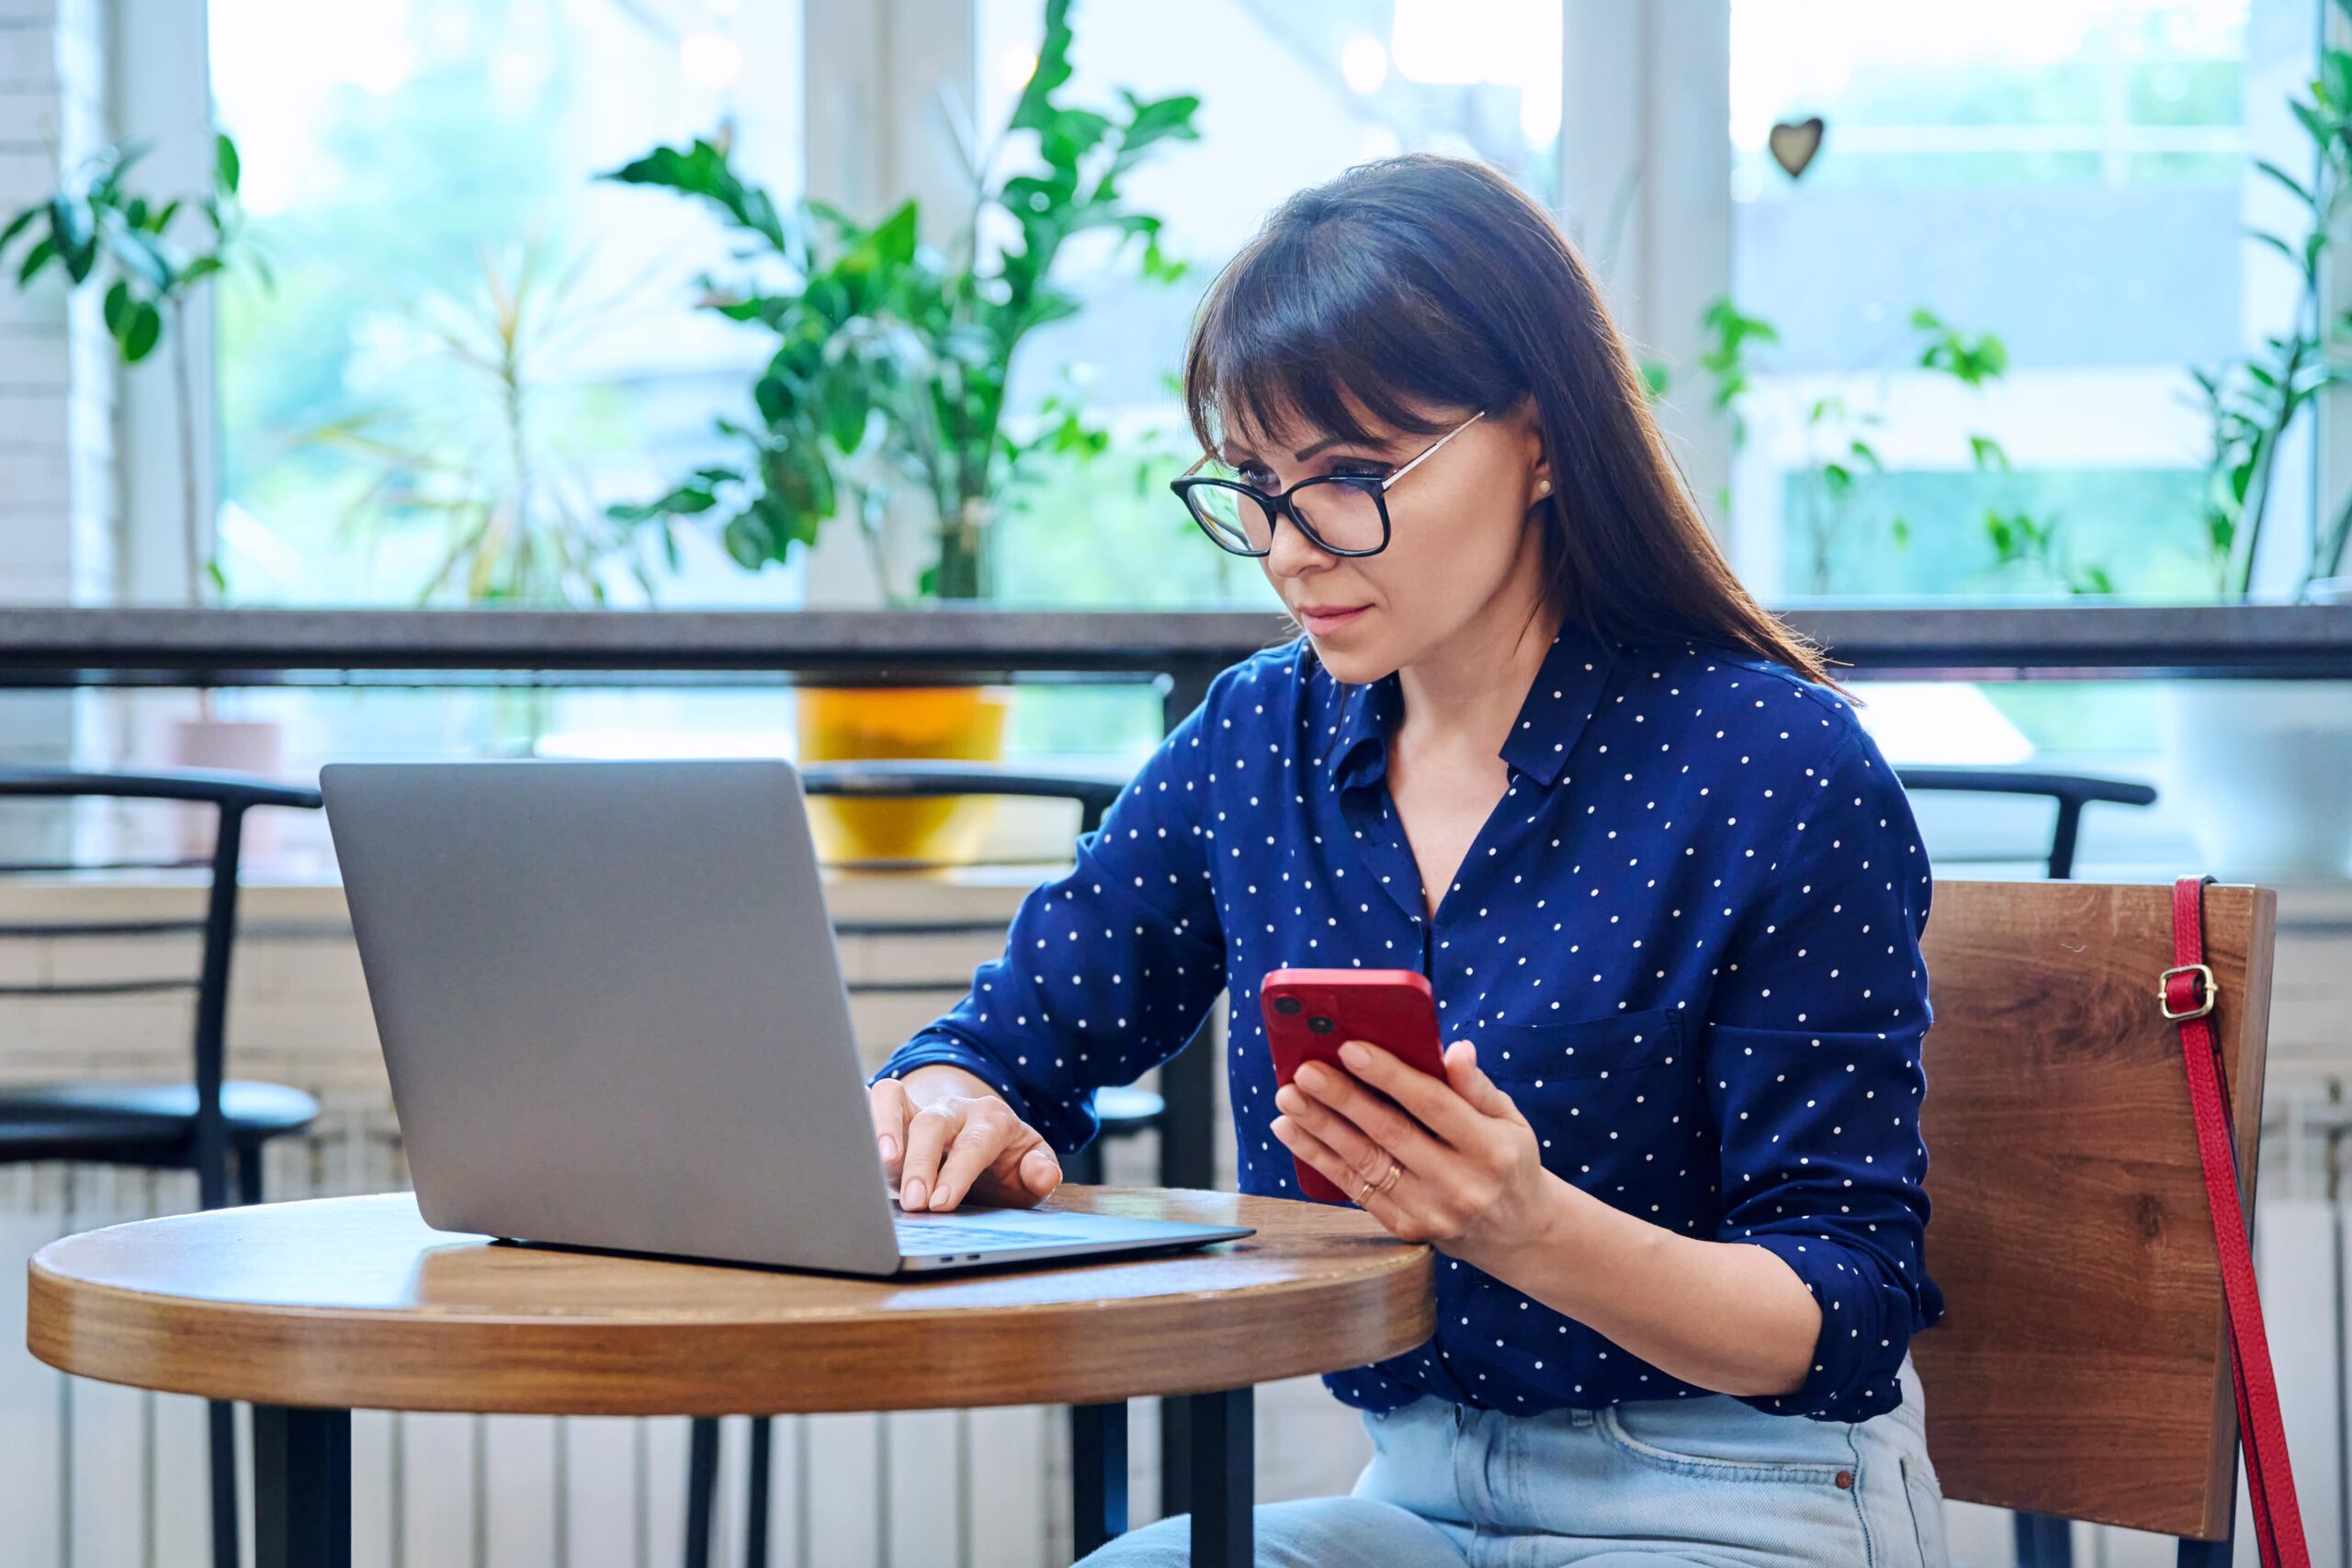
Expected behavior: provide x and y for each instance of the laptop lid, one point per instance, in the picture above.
(610, 1006)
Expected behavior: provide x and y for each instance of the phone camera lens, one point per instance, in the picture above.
(1288, 1005)
(1318, 1025)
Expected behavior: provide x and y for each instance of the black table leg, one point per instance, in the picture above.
(2206, 1553)
(221, 1439)
(2043, 1541)
(702, 1487)
(1224, 1462)
(302, 1487)
(1098, 1466)
(755, 1524)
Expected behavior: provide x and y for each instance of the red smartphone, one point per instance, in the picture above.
(1311, 1012)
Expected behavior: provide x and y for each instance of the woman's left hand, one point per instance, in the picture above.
(1469, 1175)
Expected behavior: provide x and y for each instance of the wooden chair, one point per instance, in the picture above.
(2080, 1371)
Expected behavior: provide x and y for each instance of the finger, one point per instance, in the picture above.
(929, 1131)
(887, 1100)
(1431, 1101)
(1022, 1173)
(1385, 1207)
(1366, 1160)
(1471, 1082)
(1317, 1154)
(1379, 1120)
(983, 1138)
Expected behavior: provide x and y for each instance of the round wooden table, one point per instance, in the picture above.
(312, 1310)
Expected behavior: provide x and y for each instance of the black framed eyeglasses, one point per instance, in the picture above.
(1342, 515)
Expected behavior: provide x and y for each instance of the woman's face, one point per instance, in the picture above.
(1461, 547)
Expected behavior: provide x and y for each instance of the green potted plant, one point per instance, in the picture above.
(482, 444)
(98, 234)
(478, 447)
(886, 388)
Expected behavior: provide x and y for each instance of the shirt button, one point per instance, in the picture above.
(1845, 1480)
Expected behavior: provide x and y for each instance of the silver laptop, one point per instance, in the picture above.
(613, 1017)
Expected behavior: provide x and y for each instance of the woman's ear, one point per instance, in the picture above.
(1538, 475)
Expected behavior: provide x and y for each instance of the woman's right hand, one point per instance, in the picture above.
(946, 1135)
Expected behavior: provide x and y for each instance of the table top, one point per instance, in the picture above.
(354, 1303)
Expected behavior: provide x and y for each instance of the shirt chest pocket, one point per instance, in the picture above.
(1614, 1101)
(1613, 1046)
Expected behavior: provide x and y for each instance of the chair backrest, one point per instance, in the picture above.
(2069, 792)
(2080, 1369)
(230, 795)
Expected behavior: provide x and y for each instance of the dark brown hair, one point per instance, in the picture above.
(1431, 281)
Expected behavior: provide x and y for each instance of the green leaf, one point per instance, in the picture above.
(139, 254)
(141, 335)
(227, 168)
(74, 231)
(1987, 452)
(703, 170)
(2284, 178)
(1155, 119)
(18, 224)
(2336, 79)
(2276, 243)
(1035, 105)
(43, 250)
(118, 309)
(1069, 135)
(200, 269)
(748, 541)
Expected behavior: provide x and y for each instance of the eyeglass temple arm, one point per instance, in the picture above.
(1434, 449)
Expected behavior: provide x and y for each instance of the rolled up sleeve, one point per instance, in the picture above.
(1814, 1072)
(1106, 971)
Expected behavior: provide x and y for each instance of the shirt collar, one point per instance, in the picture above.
(1560, 703)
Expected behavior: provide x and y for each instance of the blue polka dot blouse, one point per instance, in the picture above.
(1686, 942)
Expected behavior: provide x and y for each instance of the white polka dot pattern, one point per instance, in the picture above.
(1686, 942)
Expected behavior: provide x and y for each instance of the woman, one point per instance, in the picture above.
(1538, 744)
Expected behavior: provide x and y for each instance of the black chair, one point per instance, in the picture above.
(1122, 1112)
(2071, 791)
(2042, 1541)
(212, 1125)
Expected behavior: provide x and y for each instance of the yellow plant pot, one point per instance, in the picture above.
(963, 724)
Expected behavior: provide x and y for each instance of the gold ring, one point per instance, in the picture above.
(1389, 1180)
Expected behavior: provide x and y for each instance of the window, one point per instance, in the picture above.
(409, 165)
(1291, 96)
(2068, 177)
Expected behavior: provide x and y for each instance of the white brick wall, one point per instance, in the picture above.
(58, 491)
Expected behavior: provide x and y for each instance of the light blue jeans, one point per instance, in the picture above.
(1700, 1480)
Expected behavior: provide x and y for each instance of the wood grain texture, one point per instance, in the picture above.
(2081, 1368)
(354, 1303)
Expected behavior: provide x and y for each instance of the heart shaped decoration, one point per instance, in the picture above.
(1793, 144)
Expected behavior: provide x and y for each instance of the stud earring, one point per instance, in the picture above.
(1543, 487)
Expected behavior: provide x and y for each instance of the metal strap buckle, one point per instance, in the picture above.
(2212, 991)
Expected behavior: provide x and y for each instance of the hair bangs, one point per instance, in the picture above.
(1311, 332)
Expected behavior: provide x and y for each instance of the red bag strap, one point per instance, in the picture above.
(2187, 995)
